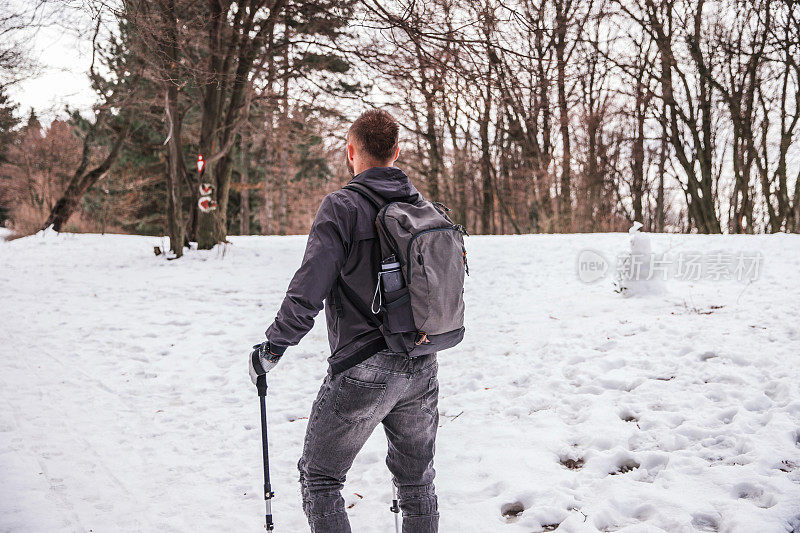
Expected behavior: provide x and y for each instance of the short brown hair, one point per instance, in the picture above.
(376, 132)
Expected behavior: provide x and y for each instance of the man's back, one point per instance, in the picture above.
(341, 261)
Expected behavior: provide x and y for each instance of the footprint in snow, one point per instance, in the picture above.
(572, 418)
(572, 464)
(495, 489)
(726, 417)
(512, 511)
(755, 494)
(606, 346)
(758, 403)
(705, 522)
(705, 356)
(623, 467)
(645, 512)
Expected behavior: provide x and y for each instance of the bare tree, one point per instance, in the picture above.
(235, 36)
(785, 32)
(168, 55)
(111, 120)
(523, 115)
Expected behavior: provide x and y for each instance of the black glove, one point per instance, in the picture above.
(263, 358)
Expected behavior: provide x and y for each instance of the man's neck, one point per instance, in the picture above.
(367, 167)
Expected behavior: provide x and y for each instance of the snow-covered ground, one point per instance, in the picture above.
(125, 403)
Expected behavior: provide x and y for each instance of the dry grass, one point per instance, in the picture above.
(28, 219)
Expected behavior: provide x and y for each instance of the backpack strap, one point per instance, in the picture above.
(378, 202)
(358, 303)
(372, 197)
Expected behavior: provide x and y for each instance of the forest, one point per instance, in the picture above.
(523, 116)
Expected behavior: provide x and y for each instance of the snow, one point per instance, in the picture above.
(126, 403)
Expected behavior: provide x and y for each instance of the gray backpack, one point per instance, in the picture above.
(427, 314)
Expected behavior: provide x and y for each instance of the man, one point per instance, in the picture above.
(366, 384)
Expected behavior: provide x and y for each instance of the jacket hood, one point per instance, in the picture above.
(390, 182)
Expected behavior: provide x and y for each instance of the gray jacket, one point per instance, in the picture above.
(340, 268)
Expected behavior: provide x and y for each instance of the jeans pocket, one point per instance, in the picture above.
(357, 401)
(430, 400)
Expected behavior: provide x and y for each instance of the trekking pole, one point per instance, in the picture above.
(261, 385)
(395, 508)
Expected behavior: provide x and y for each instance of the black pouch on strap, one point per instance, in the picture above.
(397, 316)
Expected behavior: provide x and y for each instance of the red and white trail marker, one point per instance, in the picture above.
(206, 204)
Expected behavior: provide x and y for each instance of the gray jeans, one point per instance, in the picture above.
(387, 388)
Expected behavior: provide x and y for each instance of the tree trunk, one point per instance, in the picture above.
(66, 206)
(174, 175)
(487, 208)
(565, 192)
(244, 204)
(266, 213)
(796, 205)
(542, 219)
(434, 157)
(637, 156)
(283, 171)
(210, 104)
(487, 190)
(458, 169)
(226, 100)
(699, 189)
(660, 214)
(175, 166)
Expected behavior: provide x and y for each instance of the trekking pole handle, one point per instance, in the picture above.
(261, 385)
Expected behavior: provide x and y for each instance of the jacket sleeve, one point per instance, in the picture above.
(326, 250)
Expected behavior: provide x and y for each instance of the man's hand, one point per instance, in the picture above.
(262, 360)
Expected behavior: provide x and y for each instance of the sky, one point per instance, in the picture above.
(63, 58)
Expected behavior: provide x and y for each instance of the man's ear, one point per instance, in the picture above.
(351, 152)
(396, 153)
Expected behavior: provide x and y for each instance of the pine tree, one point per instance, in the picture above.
(8, 123)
